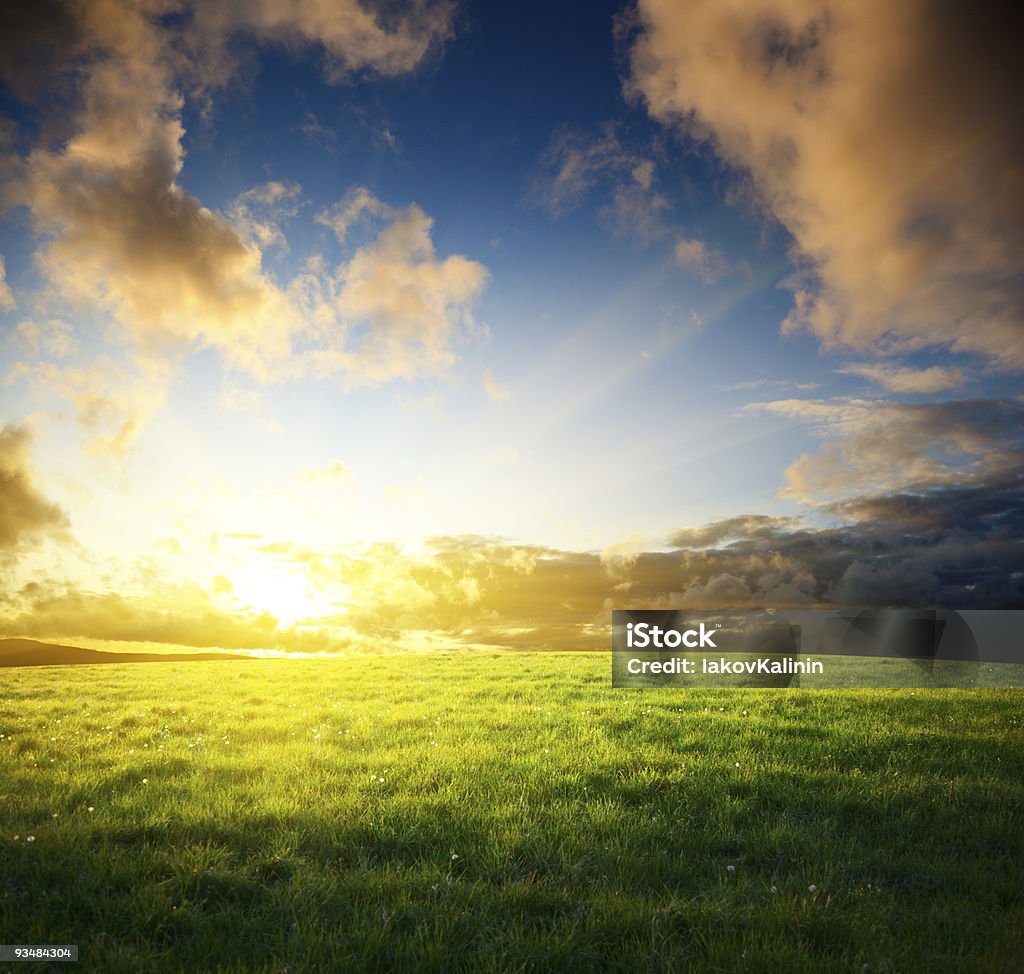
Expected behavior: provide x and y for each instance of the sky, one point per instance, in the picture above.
(338, 326)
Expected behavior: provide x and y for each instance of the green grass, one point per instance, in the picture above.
(530, 818)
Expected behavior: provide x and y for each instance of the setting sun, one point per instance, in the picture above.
(262, 584)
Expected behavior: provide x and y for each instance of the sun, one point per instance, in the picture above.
(264, 584)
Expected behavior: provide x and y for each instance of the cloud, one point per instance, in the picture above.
(394, 309)
(112, 403)
(357, 204)
(562, 599)
(172, 614)
(950, 546)
(575, 163)
(52, 337)
(35, 38)
(708, 263)
(763, 383)
(763, 527)
(7, 302)
(882, 136)
(25, 514)
(317, 133)
(494, 389)
(119, 232)
(619, 559)
(241, 399)
(636, 209)
(122, 243)
(353, 36)
(873, 446)
(116, 229)
(258, 212)
(572, 165)
(900, 379)
(331, 473)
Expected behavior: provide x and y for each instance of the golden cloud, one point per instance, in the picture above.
(906, 380)
(394, 309)
(177, 615)
(112, 403)
(357, 205)
(387, 39)
(117, 232)
(882, 136)
(24, 512)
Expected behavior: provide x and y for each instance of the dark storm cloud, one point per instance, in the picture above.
(871, 446)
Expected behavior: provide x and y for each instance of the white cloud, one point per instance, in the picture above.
(257, 213)
(357, 205)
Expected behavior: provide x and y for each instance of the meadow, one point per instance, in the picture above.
(480, 812)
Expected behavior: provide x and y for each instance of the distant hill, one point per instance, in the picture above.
(29, 652)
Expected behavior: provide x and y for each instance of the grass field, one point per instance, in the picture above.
(503, 813)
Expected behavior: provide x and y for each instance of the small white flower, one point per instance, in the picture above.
(775, 889)
(145, 781)
(730, 869)
(90, 809)
(30, 838)
(812, 888)
(455, 856)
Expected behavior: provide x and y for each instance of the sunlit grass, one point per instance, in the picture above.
(506, 812)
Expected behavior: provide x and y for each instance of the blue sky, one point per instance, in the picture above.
(287, 283)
